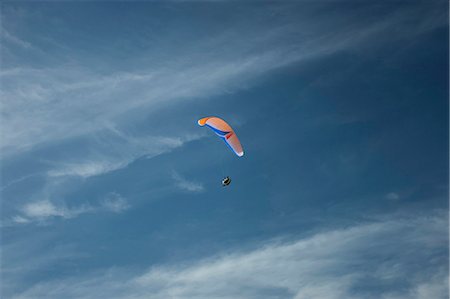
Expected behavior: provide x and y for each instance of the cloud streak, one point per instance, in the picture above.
(330, 264)
(114, 152)
(41, 211)
(187, 185)
(114, 202)
(6, 36)
(44, 209)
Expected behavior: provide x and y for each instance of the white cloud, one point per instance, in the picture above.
(114, 202)
(20, 219)
(436, 286)
(114, 153)
(40, 210)
(44, 210)
(85, 168)
(187, 185)
(328, 265)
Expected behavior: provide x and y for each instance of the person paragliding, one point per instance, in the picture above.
(227, 134)
(226, 181)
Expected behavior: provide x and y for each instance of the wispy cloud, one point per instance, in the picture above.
(105, 155)
(113, 153)
(41, 211)
(20, 219)
(44, 209)
(187, 185)
(6, 36)
(86, 168)
(115, 202)
(332, 264)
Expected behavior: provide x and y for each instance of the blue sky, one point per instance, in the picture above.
(110, 189)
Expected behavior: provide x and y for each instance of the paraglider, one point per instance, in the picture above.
(224, 131)
(226, 181)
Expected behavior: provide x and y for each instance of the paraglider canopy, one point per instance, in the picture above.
(224, 131)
